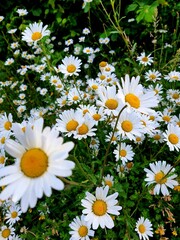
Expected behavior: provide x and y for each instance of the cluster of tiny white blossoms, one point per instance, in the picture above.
(125, 110)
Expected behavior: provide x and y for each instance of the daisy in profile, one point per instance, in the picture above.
(99, 207)
(7, 232)
(152, 75)
(172, 76)
(124, 153)
(108, 180)
(161, 174)
(71, 66)
(172, 137)
(144, 228)
(81, 229)
(136, 97)
(5, 123)
(40, 159)
(35, 32)
(145, 59)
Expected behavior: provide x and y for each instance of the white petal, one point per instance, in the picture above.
(21, 187)
(8, 170)
(14, 149)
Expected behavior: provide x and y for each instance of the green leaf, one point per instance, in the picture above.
(37, 12)
(132, 7)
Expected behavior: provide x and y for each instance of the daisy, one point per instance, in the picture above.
(68, 121)
(129, 125)
(5, 122)
(110, 100)
(108, 180)
(81, 230)
(144, 228)
(88, 50)
(3, 158)
(124, 153)
(136, 97)
(145, 60)
(172, 137)
(35, 32)
(1, 18)
(13, 214)
(158, 176)
(172, 76)
(22, 12)
(152, 75)
(9, 61)
(74, 95)
(7, 232)
(173, 96)
(157, 136)
(99, 207)
(40, 160)
(86, 31)
(71, 66)
(85, 128)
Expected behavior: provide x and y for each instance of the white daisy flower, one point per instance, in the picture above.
(129, 125)
(161, 175)
(108, 180)
(99, 207)
(68, 121)
(71, 66)
(6, 122)
(13, 214)
(124, 153)
(1, 18)
(40, 160)
(7, 232)
(172, 76)
(136, 97)
(110, 100)
(81, 229)
(22, 12)
(35, 32)
(152, 75)
(85, 128)
(144, 228)
(172, 137)
(145, 60)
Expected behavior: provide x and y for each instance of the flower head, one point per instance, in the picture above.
(40, 160)
(71, 66)
(35, 32)
(98, 208)
(144, 228)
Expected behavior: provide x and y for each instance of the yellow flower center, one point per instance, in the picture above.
(99, 207)
(178, 123)
(85, 111)
(72, 125)
(7, 125)
(166, 118)
(111, 103)
(103, 64)
(83, 231)
(157, 137)
(144, 59)
(94, 87)
(102, 77)
(175, 77)
(127, 126)
(14, 214)
(83, 129)
(107, 69)
(2, 159)
(138, 139)
(109, 183)
(71, 68)
(122, 153)
(159, 178)
(34, 163)
(3, 139)
(75, 98)
(133, 100)
(6, 232)
(36, 36)
(175, 96)
(173, 138)
(142, 228)
(96, 116)
(152, 76)
(152, 118)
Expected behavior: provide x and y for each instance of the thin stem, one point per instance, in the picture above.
(72, 182)
(108, 148)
